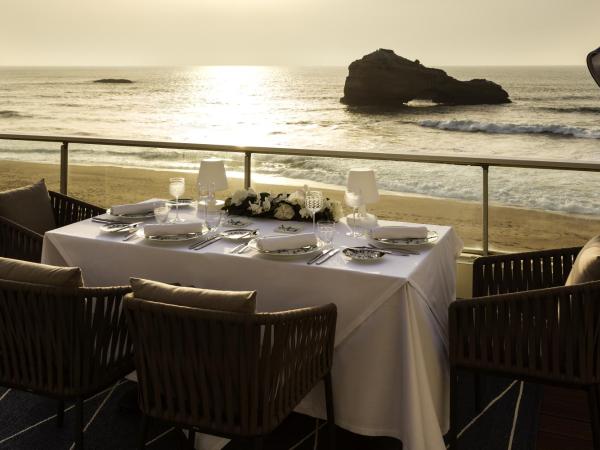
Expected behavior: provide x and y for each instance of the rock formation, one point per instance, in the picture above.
(383, 78)
(113, 80)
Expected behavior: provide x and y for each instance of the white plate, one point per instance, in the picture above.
(302, 251)
(236, 222)
(146, 215)
(289, 229)
(363, 254)
(173, 237)
(432, 237)
(238, 234)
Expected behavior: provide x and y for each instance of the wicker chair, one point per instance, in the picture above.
(66, 344)
(229, 374)
(19, 242)
(525, 324)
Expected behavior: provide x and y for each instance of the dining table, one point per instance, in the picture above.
(390, 370)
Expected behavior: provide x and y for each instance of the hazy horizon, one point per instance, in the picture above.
(112, 33)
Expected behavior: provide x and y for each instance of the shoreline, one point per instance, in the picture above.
(510, 228)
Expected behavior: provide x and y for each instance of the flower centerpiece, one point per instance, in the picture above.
(247, 202)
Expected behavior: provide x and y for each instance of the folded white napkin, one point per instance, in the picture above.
(135, 208)
(399, 232)
(172, 228)
(274, 243)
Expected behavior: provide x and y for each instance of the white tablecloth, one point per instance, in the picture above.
(390, 372)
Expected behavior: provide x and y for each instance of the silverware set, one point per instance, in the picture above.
(323, 256)
(205, 242)
(238, 250)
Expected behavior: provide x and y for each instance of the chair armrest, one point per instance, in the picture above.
(301, 355)
(103, 345)
(68, 210)
(501, 274)
(548, 333)
(19, 242)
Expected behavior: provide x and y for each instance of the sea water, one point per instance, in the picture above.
(554, 114)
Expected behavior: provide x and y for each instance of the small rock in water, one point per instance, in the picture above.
(383, 78)
(113, 80)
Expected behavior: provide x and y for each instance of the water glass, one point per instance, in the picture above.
(161, 213)
(212, 219)
(326, 230)
(313, 201)
(176, 189)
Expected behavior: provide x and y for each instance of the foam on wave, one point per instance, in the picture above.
(511, 128)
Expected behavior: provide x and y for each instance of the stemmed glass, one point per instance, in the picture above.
(314, 202)
(355, 201)
(176, 189)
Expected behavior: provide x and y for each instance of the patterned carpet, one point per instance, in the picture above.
(27, 422)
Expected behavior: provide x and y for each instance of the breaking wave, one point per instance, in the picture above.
(9, 114)
(511, 128)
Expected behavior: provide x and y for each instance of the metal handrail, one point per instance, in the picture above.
(484, 163)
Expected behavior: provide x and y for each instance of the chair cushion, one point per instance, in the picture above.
(29, 206)
(29, 272)
(587, 264)
(231, 301)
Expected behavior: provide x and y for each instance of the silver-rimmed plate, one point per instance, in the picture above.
(302, 251)
(238, 234)
(138, 216)
(432, 237)
(363, 254)
(236, 222)
(173, 237)
(289, 229)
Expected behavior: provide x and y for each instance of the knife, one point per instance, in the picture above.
(201, 242)
(207, 243)
(328, 256)
(320, 255)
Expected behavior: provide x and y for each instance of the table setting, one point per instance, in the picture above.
(391, 281)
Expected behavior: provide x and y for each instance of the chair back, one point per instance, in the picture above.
(228, 373)
(64, 342)
(503, 274)
(68, 210)
(545, 334)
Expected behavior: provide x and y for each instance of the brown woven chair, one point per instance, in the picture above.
(229, 374)
(66, 344)
(19, 242)
(525, 324)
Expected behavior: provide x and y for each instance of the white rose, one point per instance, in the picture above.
(284, 212)
(239, 197)
(255, 208)
(266, 206)
(305, 213)
(296, 198)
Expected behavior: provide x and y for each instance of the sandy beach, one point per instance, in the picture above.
(510, 228)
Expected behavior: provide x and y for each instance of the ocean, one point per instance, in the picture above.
(554, 114)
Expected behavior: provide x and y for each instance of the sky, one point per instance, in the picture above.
(295, 32)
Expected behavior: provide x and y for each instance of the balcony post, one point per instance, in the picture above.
(64, 167)
(247, 170)
(485, 210)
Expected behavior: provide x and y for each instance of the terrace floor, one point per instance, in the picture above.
(27, 422)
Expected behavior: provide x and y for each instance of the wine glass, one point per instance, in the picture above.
(355, 201)
(314, 202)
(203, 193)
(176, 189)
